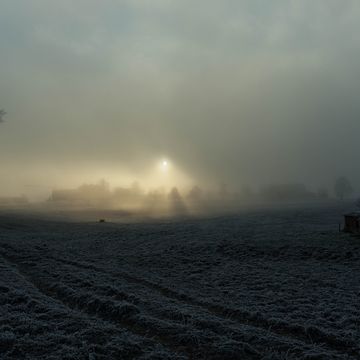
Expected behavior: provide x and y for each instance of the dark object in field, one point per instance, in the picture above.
(102, 220)
(352, 223)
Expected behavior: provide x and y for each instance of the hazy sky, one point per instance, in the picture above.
(239, 91)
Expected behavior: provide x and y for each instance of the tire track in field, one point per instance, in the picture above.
(295, 332)
(157, 310)
(52, 292)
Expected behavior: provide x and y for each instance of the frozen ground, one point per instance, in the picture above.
(280, 284)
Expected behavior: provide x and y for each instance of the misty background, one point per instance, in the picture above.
(243, 92)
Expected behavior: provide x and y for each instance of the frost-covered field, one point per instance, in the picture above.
(280, 284)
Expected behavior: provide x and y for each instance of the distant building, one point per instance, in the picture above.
(85, 195)
(65, 195)
(352, 223)
(6, 201)
(286, 192)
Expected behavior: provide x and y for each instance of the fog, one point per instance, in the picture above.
(246, 93)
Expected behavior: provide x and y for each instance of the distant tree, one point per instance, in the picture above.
(176, 202)
(2, 114)
(174, 194)
(343, 188)
(195, 194)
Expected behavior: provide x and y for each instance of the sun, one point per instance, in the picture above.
(164, 165)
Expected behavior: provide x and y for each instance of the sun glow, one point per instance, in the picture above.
(164, 165)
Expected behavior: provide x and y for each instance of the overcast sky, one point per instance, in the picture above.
(235, 91)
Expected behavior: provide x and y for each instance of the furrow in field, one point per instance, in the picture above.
(116, 313)
(308, 335)
(258, 322)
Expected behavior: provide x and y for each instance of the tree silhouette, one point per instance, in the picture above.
(343, 187)
(176, 202)
(2, 114)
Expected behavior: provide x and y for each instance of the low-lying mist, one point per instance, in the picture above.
(100, 200)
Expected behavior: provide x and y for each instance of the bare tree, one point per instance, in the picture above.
(2, 114)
